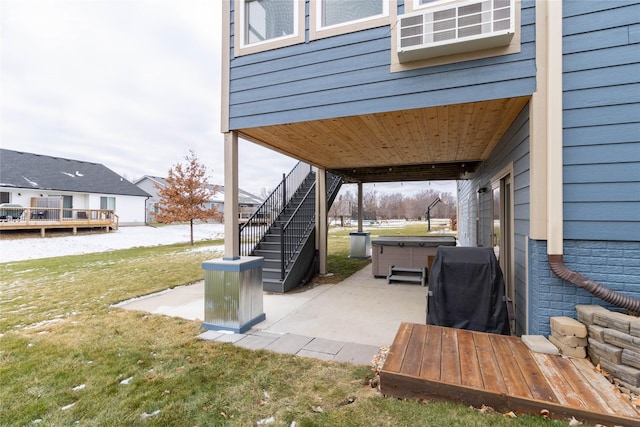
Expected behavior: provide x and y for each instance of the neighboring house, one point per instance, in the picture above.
(532, 106)
(247, 202)
(28, 179)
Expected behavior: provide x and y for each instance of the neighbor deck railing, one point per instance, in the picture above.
(16, 216)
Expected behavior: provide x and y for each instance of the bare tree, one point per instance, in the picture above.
(418, 204)
(391, 206)
(370, 204)
(264, 193)
(187, 194)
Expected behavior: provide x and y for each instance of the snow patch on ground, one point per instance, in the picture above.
(123, 238)
(137, 236)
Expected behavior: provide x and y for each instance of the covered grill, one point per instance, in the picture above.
(467, 291)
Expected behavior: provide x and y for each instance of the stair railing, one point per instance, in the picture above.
(296, 229)
(258, 224)
(302, 221)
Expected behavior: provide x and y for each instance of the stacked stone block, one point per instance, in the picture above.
(613, 343)
(569, 335)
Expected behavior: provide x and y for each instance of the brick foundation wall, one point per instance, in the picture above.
(613, 264)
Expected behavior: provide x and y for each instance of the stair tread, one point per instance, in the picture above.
(269, 246)
(405, 278)
(408, 269)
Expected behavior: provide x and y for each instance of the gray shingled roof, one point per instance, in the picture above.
(244, 197)
(35, 171)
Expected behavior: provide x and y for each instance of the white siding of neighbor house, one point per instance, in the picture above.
(130, 209)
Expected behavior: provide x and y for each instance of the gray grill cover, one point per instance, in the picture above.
(466, 291)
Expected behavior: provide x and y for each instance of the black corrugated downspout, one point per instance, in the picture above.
(556, 263)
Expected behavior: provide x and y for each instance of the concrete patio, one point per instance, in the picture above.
(348, 321)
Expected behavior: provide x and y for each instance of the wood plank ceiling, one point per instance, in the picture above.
(436, 143)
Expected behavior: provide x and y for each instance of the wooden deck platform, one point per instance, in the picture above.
(499, 371)
(57, 218)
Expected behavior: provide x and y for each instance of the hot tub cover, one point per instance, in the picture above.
(421, 241)
(466, 291)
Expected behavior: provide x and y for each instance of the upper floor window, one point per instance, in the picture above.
(337, 12)
(329, 18)
(267, 24)
(421, 3)
(268, 20)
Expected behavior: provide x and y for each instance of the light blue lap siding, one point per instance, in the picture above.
(601, 65)
(513, 147)
(350, 74)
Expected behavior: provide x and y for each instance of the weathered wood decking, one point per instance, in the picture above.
(478, 369)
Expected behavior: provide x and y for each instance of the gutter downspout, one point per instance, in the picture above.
(555, 217)
(146, 211)
(619, 300)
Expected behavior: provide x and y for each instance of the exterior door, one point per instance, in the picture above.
(502, 236)
(67, 206)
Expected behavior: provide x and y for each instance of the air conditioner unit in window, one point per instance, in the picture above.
(455, 28)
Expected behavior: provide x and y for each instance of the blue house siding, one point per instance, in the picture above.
(601, 161)
(601, 103)
(513, 147)
(350, 75)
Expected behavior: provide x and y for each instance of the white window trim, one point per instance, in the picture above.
(317, 31)
(242, 48)
(411, 6)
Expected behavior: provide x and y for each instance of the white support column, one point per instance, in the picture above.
(360, 213)
(231, 230)
(555, 217)
(321, 218)
(538, 132)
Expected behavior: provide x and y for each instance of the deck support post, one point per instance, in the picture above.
(360, 215)
(231, 227)
(321, 221)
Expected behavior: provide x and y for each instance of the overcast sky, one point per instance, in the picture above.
(131, 84)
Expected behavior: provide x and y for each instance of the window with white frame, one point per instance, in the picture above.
(337, 12)
(420, 3)
(108, 203)
(266, 20)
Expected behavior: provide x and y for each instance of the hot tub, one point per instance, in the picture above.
(405, 251)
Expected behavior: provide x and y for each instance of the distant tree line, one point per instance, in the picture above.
(394, 205)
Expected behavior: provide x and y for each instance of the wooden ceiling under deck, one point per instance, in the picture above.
(436, 143)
